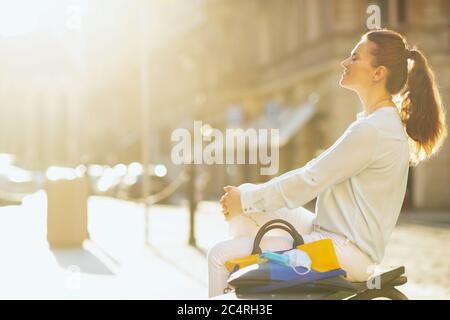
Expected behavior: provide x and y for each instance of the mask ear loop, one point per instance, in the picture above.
(300, 273)
(297, 272)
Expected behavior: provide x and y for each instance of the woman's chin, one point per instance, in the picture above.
(344, 83)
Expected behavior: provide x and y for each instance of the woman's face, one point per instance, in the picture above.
(358, 71)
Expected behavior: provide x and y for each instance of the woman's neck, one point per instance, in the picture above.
(375, 99)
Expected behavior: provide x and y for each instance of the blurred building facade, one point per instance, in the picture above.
(225, 62)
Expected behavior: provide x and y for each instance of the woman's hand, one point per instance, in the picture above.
(231, 202)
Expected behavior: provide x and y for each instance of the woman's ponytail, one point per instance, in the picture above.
(422, 111)
(411, 77)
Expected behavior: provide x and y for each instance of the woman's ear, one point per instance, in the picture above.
(380, 73)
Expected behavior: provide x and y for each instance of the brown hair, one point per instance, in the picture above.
(421, 110)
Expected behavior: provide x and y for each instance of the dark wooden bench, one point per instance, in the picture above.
(380, 285)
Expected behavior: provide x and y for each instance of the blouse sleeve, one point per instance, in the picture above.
(348, 156)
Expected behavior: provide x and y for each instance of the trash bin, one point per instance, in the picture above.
(67, 195)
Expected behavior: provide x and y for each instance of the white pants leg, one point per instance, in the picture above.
(243, 230)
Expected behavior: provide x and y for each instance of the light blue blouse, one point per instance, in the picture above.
(360, 183)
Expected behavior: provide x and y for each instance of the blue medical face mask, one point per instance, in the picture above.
(299, 258)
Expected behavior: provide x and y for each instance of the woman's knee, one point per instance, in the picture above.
(217, 253)
(241, 226)
(223, 251)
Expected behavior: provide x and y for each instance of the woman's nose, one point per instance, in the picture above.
(344, 63)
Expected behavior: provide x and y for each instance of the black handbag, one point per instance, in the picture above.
(274, 277)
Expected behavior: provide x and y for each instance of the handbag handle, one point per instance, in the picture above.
(276, 224)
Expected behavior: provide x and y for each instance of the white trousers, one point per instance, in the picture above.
(243, 229)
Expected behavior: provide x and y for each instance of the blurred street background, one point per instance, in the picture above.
(91, 203)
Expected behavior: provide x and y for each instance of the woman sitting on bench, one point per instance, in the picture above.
(360, 181)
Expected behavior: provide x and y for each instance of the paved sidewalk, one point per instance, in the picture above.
(115, 264)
